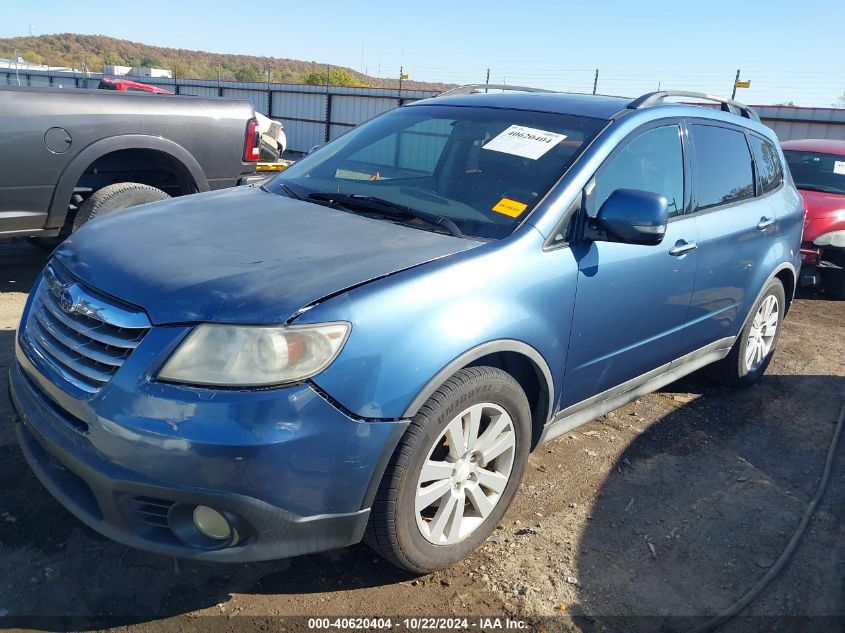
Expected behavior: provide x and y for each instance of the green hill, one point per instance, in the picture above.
(71, 50)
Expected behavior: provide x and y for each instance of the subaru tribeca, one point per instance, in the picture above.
(369, 346)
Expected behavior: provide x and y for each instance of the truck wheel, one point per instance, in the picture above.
(454, 473)
(833, 279)
(121, 195)
(753, 349)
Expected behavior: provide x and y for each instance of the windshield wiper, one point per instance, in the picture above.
(291, 193)
(388, 208)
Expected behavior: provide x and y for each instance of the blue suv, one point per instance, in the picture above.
(369, 346)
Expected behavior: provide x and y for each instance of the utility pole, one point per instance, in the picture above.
(401, 74)
(487, 81)
(596, 81)
(328, 76)
(15, 55)
(733, 94)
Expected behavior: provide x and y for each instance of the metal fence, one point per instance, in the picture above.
(316, 114)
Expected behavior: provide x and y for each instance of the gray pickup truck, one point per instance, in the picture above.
(69, 155)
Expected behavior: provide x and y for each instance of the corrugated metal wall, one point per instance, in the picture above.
(792, 123)
(312, 114)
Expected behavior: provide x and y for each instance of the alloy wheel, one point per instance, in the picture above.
(761, 336)
(465, 473)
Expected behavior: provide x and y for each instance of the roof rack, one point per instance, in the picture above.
(728, 105)
(476, 88)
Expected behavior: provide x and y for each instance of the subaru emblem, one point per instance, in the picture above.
(65, 300)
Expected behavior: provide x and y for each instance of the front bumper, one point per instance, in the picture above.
(303, 489)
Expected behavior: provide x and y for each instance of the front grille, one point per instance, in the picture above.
(85, 336)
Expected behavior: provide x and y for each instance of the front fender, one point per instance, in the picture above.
(73, 171)
(417, 327)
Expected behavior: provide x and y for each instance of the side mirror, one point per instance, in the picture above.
(634, 216)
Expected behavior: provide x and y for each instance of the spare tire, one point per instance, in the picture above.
(121, 195)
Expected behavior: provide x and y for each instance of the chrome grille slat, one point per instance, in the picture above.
(91, 332)
(35, 331)
(80, 346)
(83, 335)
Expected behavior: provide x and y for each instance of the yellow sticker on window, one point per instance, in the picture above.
(510, 208)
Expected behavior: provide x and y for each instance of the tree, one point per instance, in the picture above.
(32, 57)
(181, 69)
(337, 77)
(151, 62)
(114, 59)
(250, 73)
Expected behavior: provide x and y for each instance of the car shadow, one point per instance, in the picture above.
(701, 504)
(812, 293)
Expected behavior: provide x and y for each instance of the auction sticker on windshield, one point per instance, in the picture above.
(527, 142)
(509, 207)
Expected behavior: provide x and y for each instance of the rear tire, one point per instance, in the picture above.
(114, 197)
(752, 351)
(472, 437)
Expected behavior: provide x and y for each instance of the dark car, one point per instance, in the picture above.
(68, 155)
(370, 345)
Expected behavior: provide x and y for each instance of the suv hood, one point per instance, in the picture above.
(240, 255)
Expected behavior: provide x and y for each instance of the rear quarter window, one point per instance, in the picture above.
(769, 167)
(722, 166)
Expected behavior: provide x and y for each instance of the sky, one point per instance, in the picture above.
(788, 50)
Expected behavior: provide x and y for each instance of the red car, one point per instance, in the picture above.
(818, 169)
(124, 85)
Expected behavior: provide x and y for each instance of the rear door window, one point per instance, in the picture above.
(769, 168)
(722, 166)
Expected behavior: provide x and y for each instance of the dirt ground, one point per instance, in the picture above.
(667, 509)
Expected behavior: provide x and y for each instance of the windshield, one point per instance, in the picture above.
(479, 170)
(816, 171)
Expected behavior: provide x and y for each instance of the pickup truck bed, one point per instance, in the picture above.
(58, 147)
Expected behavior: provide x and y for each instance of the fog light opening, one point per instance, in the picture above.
(212, 523)
(205, 527)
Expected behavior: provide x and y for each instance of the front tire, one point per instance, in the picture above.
(454, 473)
(121, 195)
(752, 351)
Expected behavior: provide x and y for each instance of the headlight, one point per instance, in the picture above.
(834, 238)
(251, 356)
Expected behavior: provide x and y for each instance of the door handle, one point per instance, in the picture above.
(765, 223)
(682, 248)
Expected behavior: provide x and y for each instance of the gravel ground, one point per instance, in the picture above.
(668, 508)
